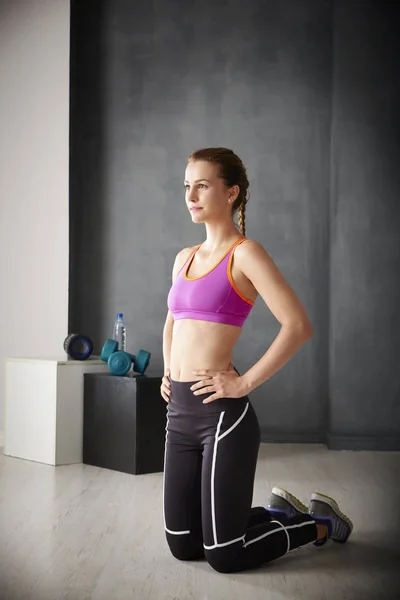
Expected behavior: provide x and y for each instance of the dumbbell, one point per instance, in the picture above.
(120, 362)
(141, 361)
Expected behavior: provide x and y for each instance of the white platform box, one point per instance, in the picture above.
(44, 408)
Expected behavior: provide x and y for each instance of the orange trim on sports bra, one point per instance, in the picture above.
(188, 258)
(229, 272)
(185, 275)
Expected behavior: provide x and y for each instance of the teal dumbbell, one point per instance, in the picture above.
(108, 349)
(141, 361)
(120, 362)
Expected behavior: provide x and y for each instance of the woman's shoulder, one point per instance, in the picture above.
(249, 247)
(251, 251)
(252, 258)
(181, 258)
(184, 254)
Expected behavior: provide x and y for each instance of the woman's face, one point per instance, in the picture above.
(207, 197)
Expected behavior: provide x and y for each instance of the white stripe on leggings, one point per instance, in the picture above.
(214, 524)
(260, 537)
(177, 532)
(217, 438)
(165, 462)
(236, 423)
(287, 535)
(239, 539)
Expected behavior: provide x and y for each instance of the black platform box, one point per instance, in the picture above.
(124, 422)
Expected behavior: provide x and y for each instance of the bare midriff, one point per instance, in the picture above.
(200, 345)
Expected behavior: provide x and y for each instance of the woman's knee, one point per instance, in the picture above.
(222, 560)
(184, 547)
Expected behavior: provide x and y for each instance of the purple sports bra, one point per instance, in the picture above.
(210, 297)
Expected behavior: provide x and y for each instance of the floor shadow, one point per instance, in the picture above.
(359, 558)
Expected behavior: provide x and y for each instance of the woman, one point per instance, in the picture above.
(213, 435)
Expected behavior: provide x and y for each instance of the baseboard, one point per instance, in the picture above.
(378, 443)
(271, 437)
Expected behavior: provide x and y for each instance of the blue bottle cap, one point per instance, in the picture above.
(120, 316)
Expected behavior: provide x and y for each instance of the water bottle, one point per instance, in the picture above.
(119, 334)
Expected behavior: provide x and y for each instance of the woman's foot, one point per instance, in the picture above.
(325, 511)
(283, 503)
(331, 522)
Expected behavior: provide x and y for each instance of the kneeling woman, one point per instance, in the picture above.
(213, 435)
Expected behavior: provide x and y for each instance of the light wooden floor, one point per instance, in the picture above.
(80, 533)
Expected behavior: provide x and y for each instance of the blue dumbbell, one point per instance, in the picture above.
(120, 362)
(141, 361)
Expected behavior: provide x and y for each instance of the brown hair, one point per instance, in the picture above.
(233, 172)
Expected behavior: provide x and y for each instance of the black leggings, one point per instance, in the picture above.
(210, 463)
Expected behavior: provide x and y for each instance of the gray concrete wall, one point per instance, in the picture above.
(365, 228)
(150, 82)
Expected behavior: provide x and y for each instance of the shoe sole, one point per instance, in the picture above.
(295, 502)
(335, 507)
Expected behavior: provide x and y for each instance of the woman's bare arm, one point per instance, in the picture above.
(180, 260)
(259, 268)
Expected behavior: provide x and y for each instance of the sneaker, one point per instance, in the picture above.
(282, 503)
(325, 511)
